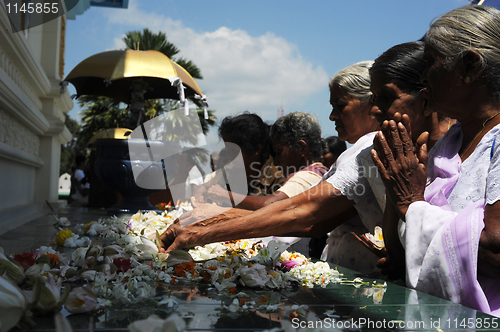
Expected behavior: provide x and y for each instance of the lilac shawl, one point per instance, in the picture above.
(442, 245)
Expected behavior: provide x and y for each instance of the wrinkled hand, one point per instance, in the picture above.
(201, 212)
(403, 170)
(183, 237)
(177, 237)
(218, 195)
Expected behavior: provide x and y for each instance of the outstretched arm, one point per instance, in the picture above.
(287, 216)
(221, 196)
(321, 228)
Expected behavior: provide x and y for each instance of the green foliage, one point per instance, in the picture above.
(146, 40)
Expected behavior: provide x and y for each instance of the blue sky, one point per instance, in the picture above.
(259, 55)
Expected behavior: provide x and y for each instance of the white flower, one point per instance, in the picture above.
(178, 256)
(37, 270)
(154, 323)
(377, 239)
(318, 273)
(43, 250)
(66, 271)
(378, 295)
(254, 276)
(233, 307)
(113, 252)
(78, 256)
(376, 292)
(80, 300)
(51, 300)
(225, 284)
(142, 270)
(277, 279)
(147, 249)
(95, 229)
(144, 291)
(13, 304)
(83, 242)
(170, 303)
(108, 271)
(64, 222)
(270, 255)
(71, 241)
(88, 275)
(11, 268)
(149, 232)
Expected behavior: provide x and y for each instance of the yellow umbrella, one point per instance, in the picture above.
(117, 133)
(111, 73)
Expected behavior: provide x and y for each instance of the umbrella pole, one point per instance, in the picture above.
(138, 89)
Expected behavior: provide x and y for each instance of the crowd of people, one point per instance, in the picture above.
(422, 119)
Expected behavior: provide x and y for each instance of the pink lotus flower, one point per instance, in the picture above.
(288, 265)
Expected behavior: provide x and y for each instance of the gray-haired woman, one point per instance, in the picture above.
(449, 199)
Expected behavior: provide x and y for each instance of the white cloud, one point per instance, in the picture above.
(240, 72)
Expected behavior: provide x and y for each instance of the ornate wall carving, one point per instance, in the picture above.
(18, 79)
(14, 134)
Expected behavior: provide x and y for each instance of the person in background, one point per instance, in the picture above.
(333, 149)
(296, 139)
(79, 183)
(219, 159)
(194, 178)
(249, 134)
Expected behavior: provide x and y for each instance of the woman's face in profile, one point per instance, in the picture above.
(388, 99)
(233, 150)
(287, 157)
(351, 116)
(443, 94)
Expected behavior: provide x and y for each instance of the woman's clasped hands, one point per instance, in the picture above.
(402, 167)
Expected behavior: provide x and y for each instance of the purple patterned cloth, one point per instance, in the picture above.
(442, 245)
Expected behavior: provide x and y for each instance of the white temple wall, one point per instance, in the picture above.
(32, 129)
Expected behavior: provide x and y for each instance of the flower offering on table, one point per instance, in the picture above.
(116, 261)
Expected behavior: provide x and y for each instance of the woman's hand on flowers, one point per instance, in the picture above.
(201, 211)
(403, 170)
(176, 237)
(200, 233)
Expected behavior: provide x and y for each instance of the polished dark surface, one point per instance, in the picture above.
(203, 308)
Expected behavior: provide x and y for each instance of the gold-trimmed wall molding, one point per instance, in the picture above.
(15, 46)
(15, 134)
